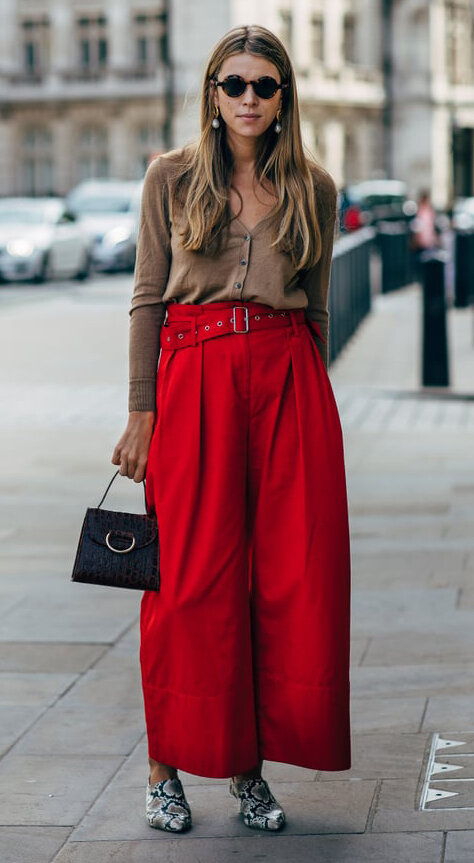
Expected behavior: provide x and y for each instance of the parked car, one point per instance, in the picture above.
(40, 239)
(373, 201)
(463, 214)
(109, 211)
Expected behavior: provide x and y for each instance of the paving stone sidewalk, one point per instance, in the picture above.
(72, 745)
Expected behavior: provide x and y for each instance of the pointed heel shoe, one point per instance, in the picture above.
(167, 807)
(258, 806)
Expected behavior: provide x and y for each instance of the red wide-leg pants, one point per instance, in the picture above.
(245, 648)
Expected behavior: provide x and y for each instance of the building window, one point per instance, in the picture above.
(37, 161)
(93, 153)
(317, 38)
(459, 29)
(286, 28)
(150, 33)
(149, 142)
(349, 39)
(35, 45)
(92, 43)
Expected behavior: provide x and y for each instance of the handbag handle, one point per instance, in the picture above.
(110, 483)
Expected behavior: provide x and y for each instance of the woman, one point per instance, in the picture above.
(245, 648)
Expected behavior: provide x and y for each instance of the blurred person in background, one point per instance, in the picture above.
(425, 235)
(245, 648)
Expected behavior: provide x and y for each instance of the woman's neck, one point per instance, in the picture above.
(244, 151)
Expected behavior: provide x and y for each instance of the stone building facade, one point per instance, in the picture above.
(94, 87)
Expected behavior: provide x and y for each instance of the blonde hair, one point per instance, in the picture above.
(201, 184)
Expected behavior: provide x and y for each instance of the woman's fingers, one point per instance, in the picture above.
(131, 451)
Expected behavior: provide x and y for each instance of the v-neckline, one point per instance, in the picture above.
(249, 231)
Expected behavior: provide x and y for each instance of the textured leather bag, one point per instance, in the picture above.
(118, 549)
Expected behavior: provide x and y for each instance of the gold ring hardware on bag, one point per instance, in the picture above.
(119, 550)
(246, 320)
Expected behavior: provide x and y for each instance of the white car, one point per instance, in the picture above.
(109, 211)
(463, 214)
(40, 240)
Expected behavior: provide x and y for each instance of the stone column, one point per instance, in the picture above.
(8, 156)
(441, 157)
(119, 28)
(334, 150)
(333, 36)
(121, 160)
(437, 43)
(302, 35)
(195, 28)
(63, 38)
(62, 154)
(10, 53)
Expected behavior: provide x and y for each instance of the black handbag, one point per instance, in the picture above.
(118, 549)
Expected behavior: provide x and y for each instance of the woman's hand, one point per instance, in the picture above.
(131, 452)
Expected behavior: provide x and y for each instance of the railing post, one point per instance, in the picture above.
(464, 275)
(435, 367)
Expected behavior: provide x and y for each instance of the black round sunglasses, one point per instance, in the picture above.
(234, 85)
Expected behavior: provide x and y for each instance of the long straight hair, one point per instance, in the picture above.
(200, 187)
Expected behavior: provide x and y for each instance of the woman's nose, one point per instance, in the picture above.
(248, 95)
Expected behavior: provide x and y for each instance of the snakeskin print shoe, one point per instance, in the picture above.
(167, 807)
(257, 804)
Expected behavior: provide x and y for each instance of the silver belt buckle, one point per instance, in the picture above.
(245, 309)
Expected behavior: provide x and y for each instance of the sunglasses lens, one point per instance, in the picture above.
(265, 88)
(234, 86)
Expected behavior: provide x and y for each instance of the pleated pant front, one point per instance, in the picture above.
(245, 648)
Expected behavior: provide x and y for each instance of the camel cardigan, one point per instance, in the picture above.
(246, 268)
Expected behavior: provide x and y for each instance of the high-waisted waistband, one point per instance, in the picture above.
(188, 324)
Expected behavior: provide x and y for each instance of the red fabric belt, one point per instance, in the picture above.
(187, 326)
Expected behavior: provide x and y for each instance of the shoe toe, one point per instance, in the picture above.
(167, 807)
(258, 806)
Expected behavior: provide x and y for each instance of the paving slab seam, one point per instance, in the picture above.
(109, 646)
(40, 715)
(443, 846)
(365, 651)
(112, 777)
(423, 715)
(373, 806)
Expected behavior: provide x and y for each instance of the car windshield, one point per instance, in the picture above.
(375, 200)
(34, 216)
(101, 203)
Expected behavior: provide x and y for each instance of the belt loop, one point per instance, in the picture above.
(293, 323)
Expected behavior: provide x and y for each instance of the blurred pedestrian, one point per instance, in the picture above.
(245, 648)
(425, 236)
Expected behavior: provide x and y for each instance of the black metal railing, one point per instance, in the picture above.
(350, 289)
(396, 255)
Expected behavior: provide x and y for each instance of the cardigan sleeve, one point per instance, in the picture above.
(147, 310)
(315, 281)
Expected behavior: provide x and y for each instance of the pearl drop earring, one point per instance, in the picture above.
(278, 124)
(215, 122)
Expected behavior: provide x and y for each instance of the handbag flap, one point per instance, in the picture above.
(121, 530)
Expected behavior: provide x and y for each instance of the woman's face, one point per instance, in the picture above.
(234, 110)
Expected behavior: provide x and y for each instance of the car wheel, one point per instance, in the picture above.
(45, 271)
(85, 268)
